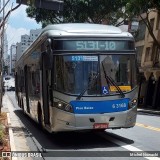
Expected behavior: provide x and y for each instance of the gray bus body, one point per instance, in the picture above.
(79, 77)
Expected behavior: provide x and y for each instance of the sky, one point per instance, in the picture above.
(18, 23)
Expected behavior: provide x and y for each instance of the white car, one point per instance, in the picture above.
(9, 83)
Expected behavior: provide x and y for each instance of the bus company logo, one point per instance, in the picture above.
(84, 108)
(6, 154)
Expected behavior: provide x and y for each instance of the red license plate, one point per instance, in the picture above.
(100, 125)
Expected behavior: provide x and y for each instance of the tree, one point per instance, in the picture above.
(2, 24)
(7, 15)
(137, 7)
(91, 11)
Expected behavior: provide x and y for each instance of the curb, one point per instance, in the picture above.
(11, 137)
(148, 111)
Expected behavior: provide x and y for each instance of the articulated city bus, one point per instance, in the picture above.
(79, 77)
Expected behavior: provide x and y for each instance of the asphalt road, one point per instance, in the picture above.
(142, 139)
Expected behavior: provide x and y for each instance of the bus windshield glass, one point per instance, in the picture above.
(75, 73)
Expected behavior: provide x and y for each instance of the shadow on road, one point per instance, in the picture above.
(148, 114)
(66, 140)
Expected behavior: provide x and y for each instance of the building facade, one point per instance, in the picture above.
(12, 58)
(5, 50)
(26, 41)
(148, 58)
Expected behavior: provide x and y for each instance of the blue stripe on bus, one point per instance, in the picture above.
(93, 107)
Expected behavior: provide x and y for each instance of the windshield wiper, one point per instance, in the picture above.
(88, 87)
(108, 78)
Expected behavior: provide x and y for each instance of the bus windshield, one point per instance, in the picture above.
(76, 73)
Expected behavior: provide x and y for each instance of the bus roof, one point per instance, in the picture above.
(84, 29)
(79, 30)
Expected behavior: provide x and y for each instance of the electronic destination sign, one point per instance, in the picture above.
(92, 45)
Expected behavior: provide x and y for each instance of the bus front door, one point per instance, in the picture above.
(45, 91)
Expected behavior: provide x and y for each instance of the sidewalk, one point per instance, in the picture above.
(17, 136)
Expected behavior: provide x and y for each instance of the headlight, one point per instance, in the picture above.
(60, 105)
(132, 103)
(63, 105)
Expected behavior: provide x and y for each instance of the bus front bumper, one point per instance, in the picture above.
(79, 122)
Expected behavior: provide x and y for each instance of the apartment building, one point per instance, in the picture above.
(5, 49)
(12, 58)
(26, 41)
(148, 55)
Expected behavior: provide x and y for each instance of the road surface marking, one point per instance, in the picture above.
(126, 146)
(148, 127)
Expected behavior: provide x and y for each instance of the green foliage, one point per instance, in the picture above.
(76, 11)
(137, 7)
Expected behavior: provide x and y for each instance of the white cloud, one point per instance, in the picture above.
(20, 15)
(14, 34)
(19, 11)
(19, 24)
